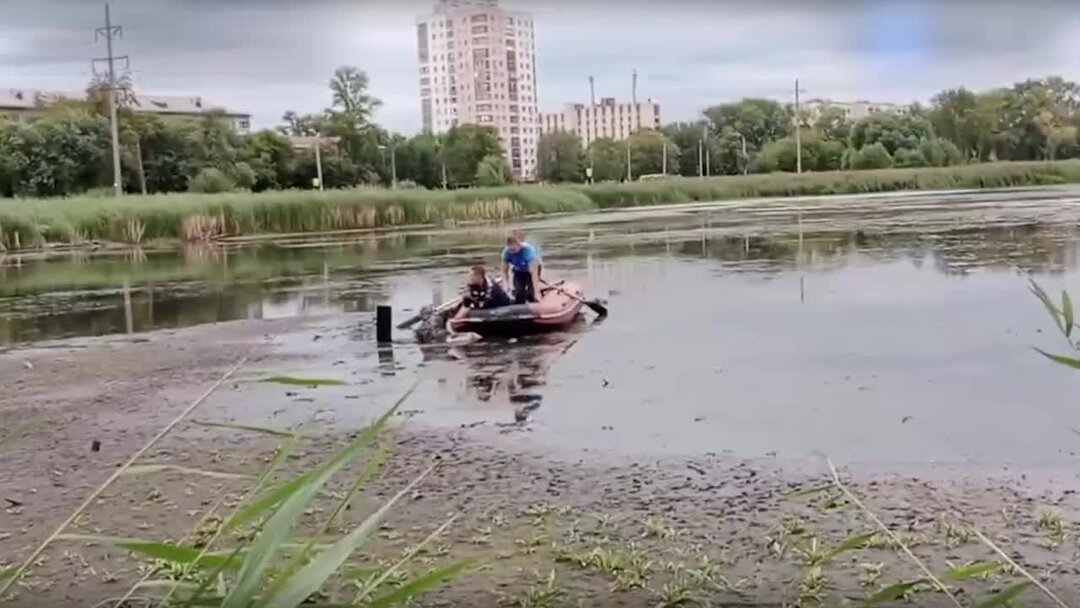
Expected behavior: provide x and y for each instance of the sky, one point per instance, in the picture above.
(269, 56)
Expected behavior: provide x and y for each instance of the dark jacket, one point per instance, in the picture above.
(488, 295)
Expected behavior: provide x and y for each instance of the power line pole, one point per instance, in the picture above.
(109, 32)
(798, 132)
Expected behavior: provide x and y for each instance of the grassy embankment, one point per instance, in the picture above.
(137, 219)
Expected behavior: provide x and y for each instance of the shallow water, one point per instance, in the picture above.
(881, 329)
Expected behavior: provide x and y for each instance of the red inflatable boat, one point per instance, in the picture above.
(559, 305)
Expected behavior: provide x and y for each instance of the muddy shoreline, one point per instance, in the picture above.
(714, 523)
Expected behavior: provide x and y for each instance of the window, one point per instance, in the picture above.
(482, 18)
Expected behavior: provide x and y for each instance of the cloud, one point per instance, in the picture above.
(269, 56)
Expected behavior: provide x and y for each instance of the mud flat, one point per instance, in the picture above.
(617, 527)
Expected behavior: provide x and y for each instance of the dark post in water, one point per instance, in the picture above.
(382, 324)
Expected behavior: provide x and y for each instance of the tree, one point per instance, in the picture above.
(349, 88)
(873, 156)
(892, 131)
(759, 120)
(270, 158)
(832, 123)
(463, 147)
(492, 171)
(647, 150)
(686, 136)
(954, 116)
(61, 153)
(608, 159)
(726, 153)
(418, 161)
(559, 158)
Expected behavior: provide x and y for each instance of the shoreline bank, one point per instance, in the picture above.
(28, 224)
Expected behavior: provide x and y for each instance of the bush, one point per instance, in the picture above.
(492, 172)
(211, 181)
(909, 158)
(874, 156)
(244, 176)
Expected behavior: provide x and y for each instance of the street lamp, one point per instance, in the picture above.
(393, 164)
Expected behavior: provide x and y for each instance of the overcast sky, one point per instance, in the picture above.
(269, 56)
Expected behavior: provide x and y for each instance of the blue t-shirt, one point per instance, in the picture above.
(520, 261)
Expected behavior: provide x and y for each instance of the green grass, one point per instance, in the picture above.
(138, 219)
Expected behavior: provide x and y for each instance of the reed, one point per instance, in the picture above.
(199, 217)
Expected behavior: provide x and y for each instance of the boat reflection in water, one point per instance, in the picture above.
(511, 372)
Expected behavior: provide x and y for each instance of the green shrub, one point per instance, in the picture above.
(874, 156)
(211, 181)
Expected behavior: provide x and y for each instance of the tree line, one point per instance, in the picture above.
(1032, 120)
(66, 149)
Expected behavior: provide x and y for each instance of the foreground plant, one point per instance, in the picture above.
(276, 567)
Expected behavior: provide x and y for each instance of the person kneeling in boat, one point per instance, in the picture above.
(481, 292)
(521, 258)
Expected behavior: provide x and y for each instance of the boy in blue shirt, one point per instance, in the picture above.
(521, 258)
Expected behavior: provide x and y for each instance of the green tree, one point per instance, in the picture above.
(559, 158)
(63, 152)
(211, 180)
(350, 95)
(726, 154)
(608, 159)
(647, 153)
(418, 161)
(463, 147)
(492, 171)
(892, 131)
(832, 123)
(873, 156)
(954, 116)
(270, 158)
(686, 136)
(759, 120)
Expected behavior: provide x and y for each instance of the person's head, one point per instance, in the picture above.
(513, 243)
(518, 234)
(477, 275)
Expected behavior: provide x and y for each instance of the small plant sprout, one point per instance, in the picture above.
(542, 594)
(870, 573)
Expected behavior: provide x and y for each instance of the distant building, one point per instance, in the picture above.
(21, 105)
(854, 110)
(605, 119)
(478, 66)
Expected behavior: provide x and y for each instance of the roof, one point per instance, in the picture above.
(28, 99)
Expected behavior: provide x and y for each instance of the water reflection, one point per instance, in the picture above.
(77, 293)
(510, 374)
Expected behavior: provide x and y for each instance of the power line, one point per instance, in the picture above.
(110, 32)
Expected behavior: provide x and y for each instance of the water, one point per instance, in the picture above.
(883, 329)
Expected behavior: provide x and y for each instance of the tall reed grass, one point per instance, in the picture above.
(201, 217)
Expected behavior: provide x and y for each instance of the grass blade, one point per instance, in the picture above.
(853, 542)
(177, 554)
(974, 570)
(313, 575)
(144, 469)
(1049, 304)
(893, 592)
(243, 427)
(374, 583)
(1005, 596)
(421, 584)
(1067, 312)
(296, 381)
(293, 504)
(1062, 359)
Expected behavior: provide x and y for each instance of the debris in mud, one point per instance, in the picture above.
(13, 503)
(28, 365)
(606, 382)
(905, 419)
(95, 446)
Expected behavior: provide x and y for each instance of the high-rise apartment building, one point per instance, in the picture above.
(478, 66)
(605, 119)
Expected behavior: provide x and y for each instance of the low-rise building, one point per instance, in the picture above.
(854, 110)
(21, 105)
(605, 119)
